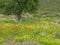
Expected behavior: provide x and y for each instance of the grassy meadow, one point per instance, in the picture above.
(42, 31)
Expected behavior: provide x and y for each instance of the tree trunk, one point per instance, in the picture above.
(19, 17)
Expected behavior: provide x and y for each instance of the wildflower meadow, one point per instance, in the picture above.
(42, 31)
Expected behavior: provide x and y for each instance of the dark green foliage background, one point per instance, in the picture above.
(16, 6)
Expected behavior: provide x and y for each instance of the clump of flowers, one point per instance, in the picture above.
(0, 27)
(15, 27)
(27, 28)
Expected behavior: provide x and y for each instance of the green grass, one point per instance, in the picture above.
(40, 30)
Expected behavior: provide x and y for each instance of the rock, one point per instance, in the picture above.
(30, 43)
(12, 43)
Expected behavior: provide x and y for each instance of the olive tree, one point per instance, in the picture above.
(16, 7)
